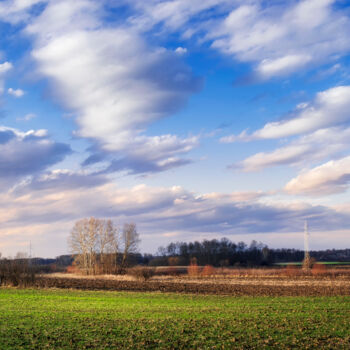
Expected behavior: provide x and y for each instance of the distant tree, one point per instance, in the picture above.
(130, 241)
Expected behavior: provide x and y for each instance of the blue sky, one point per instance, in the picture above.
(193, 119)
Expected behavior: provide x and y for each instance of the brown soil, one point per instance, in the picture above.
(233, 286)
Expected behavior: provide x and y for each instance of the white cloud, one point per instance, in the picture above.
(282, 38)
(281, 66)
(330, 108)
(4, 68)
(181, 50)
(114, 83)
(27, 153)
(15, 11)
(173, 14)
(301, 151)
(27, 117)
(16, 92)
(148, 155)
(279, 38)
(331, 177)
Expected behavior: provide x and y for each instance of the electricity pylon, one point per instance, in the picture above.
(307, 260)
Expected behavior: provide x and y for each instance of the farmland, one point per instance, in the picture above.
(235, 286)
(38, 319)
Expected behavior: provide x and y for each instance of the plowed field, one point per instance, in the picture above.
(234, 286)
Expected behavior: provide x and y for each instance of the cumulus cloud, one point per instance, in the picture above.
(15, 92)
(303, 150)
(181, 50)
(282, 38)
(278, 38)
(328, 178)
(115, 83)
(26, 153)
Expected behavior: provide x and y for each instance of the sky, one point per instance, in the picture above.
(193, 119)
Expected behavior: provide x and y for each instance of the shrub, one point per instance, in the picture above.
(141, 273)
(193, 270)
(292, 270)
(17, 272)
(208, 270)
(319, 269)
(173, 261)
(73, 269)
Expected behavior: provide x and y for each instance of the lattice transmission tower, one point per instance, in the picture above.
(307, 260)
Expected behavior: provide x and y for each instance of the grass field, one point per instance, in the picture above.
(47, 319)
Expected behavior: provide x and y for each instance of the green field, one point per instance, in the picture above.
(55, 319)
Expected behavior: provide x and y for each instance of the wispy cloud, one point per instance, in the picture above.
(4, 68)
(330, 108)
(331, 177)
(147, 155)
(301, 151)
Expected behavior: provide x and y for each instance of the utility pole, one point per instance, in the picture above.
(30, 253)
(307, 260)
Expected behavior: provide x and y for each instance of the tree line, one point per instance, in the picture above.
(224, 252)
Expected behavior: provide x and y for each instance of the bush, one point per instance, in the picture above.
(193, 270)
(208, 270)
(141, 273)
(319, 269)
(292, 270)
(17, 272)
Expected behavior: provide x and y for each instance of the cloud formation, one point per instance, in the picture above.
(301, 151)
(331, 177)
(114, 82)
(330, 108)
(41, 211)
(27, 153)
(148, 155)
(15, 92)
(283, 38)
(4, 68)
(278, 38)
(15, 11)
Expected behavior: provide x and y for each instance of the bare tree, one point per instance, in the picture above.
(94, 242)
(130, 241)
(82, 242)
(107, 246)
